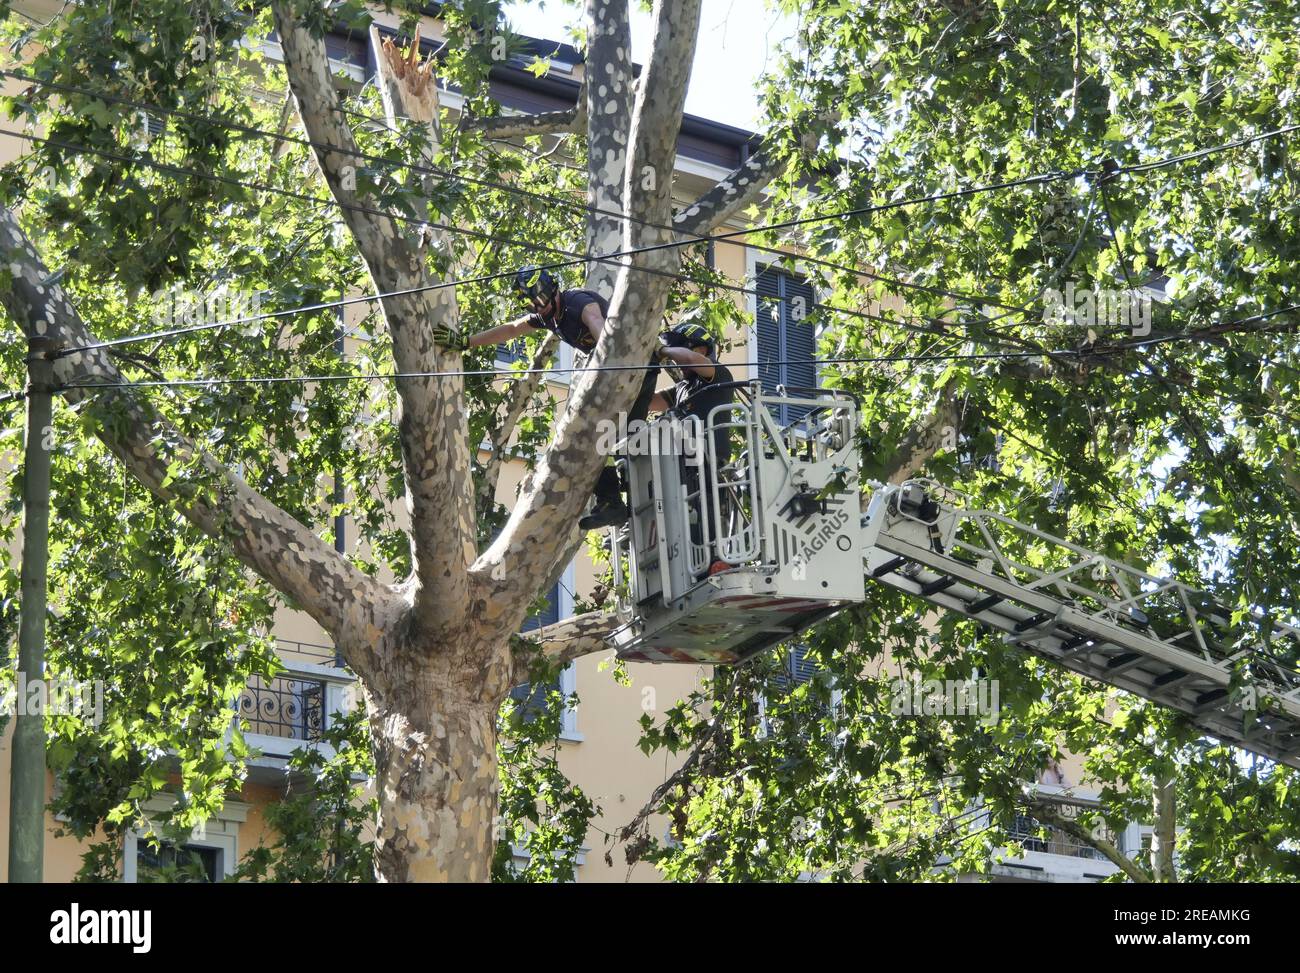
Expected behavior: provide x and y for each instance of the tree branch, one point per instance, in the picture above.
(657, 116)
(935, 431)
(741, 187)
(1044, 811)
(527, 549)
(508, 412)
(348, 604)
(408, 89)
(699, 758)
(432, 424)
(521, 126)
(1165, 833)
(307, 66)
(566, 640)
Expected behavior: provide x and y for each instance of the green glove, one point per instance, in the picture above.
(450, 339)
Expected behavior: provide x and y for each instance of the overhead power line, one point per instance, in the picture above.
(576, 257)
(493, 184)
(520, 372)
(1109, 172)
(510, 373)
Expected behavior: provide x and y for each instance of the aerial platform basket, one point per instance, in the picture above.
(724, 557)
(722, 560)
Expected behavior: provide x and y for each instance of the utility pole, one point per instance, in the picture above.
(27, 770)
(340, 491)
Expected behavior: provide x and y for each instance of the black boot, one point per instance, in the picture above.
(605, 512)
(607, 506)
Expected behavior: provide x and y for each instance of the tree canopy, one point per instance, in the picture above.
(155, 188)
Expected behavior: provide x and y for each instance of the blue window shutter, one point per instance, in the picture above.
(800, 333)
(802, 666)
(786, 334)
(768, 328)
(532, 698)
(510, 352)
(798, 668)
(800, 339)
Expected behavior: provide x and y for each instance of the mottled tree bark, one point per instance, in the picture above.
(432, 715)
(432, 652)
(1164, 834)
(609, 93)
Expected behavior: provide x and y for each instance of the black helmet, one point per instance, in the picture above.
(533, 282)
(688, 332)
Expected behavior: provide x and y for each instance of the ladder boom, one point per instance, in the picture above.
(1151, 636)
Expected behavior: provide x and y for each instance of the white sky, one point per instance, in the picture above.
(736, 39)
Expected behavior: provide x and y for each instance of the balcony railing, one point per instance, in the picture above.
(297, 705)
(288, 706)
(1033, 835)
(321, 655)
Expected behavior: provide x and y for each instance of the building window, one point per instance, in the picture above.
(209, 854)
(167, 863)
(510, 352)
(786, 335)
(559, 605)
(797, 668)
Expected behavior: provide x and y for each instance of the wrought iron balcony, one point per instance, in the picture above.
(1032, 835)
(291, 710)
(1039, 851)
(289, 706)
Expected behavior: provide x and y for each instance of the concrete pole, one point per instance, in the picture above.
(27, 771)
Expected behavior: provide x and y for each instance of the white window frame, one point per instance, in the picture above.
(569, 674)
(221, 832)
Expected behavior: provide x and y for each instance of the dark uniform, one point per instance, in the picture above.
(573, 331)
(569, 325)
(695, 395)
(700, 397)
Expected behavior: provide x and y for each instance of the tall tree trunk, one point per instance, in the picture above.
(433, 733)
(1164, 834)
(436, 775)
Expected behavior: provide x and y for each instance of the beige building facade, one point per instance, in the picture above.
(598, 749)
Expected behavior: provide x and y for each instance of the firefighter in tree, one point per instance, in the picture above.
(578, 317)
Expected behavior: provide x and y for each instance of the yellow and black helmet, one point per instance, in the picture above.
(534, 282)
(688, 332)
